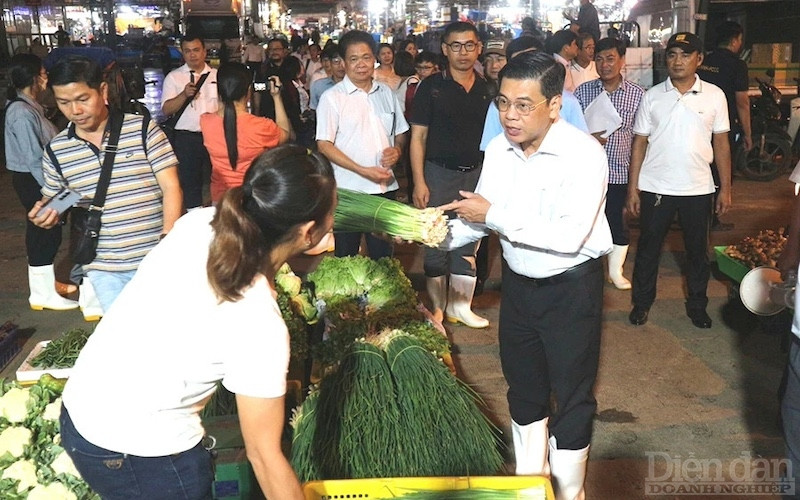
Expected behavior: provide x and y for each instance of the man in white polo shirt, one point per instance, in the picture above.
(681, 127)
(361, 130)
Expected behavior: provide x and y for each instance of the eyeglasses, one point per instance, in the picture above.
(523, 108)
(457, 46)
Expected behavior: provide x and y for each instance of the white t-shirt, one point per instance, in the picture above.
(153, 361)
(679, 128)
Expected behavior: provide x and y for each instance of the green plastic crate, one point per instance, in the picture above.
(233, 475)
(730, 267)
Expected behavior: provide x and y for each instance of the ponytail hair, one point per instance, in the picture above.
(22, 73)
(285, 187)
(233, 82)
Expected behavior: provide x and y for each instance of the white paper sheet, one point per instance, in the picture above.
(602, 116)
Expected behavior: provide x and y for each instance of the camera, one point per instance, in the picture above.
(260, 86)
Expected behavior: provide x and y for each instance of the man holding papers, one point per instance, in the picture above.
(609, 105)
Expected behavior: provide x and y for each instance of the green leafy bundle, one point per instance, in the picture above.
(297, 310)
(33, 465)
(361, 212)
(63, 351)
(392, 412)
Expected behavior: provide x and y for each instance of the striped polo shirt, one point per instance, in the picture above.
(133, 215)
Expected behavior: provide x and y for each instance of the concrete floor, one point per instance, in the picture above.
(670, 397)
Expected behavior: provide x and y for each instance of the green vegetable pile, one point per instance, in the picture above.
(33, 465)
(360, 212)
(63, 351)
(362, 297)
(392, 409)
(296, 303)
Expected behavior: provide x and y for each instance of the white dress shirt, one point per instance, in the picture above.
(361, 125)
(205, 101)
(548, 208)
(582, 75)
(679, 130)
(568, 83)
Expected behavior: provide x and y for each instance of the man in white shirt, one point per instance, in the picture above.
(564, 47)
(681, 127)
(583, 67)
(313, 64)
(361, 130)
(180, 85)
(542, 189)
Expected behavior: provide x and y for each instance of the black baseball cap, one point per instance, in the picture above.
(688, 42)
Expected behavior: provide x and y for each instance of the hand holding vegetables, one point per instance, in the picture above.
(472, 208)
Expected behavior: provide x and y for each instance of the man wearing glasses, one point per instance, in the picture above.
(543, 190)
(447, 118)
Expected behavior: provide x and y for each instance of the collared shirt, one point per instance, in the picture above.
(626, 99)
(568, 83)
(570, 112)
(361, 125)
(27, 131)
(582, 75)
(318, 88)
(549, 208)
(679, 130)
(133, 216)
(454, 117)
(205, 101)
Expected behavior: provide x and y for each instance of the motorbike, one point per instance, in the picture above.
(771, 154)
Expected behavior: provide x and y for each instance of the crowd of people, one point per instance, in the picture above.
(499, 133)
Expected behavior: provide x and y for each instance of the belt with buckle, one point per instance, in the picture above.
(454, 165)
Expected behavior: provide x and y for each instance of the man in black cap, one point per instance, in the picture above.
(681, 127)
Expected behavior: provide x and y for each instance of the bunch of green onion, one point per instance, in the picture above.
(361, 212)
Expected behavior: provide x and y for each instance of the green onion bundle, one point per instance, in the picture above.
(361, 212)
(304, 424)
(446, 433)
(357, 418)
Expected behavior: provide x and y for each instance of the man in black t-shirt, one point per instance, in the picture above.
(723, 68)
(447, 118)
(588, 21)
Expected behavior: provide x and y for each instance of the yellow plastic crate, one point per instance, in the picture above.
(527, 487)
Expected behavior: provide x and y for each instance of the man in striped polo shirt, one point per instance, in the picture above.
(144, 196)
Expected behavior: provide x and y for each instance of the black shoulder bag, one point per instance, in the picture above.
(85, 223)
(168, 125)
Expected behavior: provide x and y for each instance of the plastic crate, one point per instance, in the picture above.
(730, 267)
(526, 487)
(233, 475)
(9, 345)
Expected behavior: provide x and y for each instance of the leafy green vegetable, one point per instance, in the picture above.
(63, 351)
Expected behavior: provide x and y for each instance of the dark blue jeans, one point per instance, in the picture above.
(187, 475)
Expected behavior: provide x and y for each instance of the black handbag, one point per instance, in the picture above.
(85, 223)
(169, 124)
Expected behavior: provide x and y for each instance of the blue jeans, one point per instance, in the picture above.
(117, 476)
(108, 285)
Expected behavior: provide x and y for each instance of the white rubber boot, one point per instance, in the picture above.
(437, 291)
(568, 470)
(459, 302)
(530, 448)
(615, 261)
(90, 306)
(42, 282)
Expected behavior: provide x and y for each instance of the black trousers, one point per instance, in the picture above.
(194, 166)
(615, 203)
(348, 244)
(657, 213)
(41, 245)
(550, 346)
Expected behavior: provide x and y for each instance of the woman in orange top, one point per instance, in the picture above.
(234, 137)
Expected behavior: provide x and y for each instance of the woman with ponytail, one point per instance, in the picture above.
(200, 310)
(234, 137)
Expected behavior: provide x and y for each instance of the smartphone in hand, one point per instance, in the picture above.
(63, 199)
